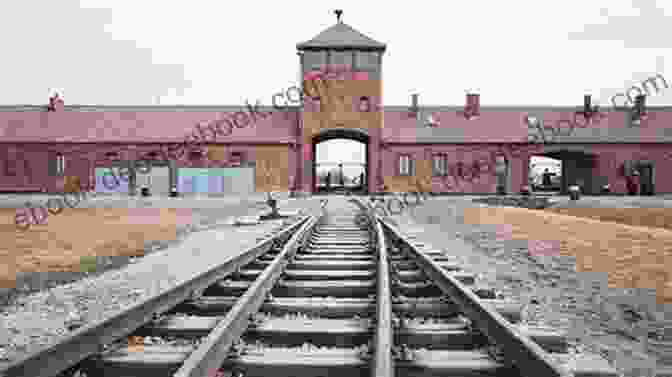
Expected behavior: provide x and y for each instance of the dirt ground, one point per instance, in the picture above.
(632, 245)
(649, 217)
(66, 238)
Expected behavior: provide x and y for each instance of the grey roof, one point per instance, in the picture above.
(341, 36)
(233, 108)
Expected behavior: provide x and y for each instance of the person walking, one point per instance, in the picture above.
(546, 178)
(631, 183)
(636, 182)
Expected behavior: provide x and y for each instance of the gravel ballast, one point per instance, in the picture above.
(600, 320)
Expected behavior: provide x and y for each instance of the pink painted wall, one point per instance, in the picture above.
(511, 127)
(81, 160)
(33, 138)
(610, 158)
(36, 134)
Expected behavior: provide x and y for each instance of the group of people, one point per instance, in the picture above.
(633, 182)
(356, 180)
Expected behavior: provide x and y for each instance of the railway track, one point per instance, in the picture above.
(327, 297)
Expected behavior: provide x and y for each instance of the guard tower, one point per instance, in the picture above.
(342, 86)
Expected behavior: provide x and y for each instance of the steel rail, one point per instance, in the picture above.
(383, 364)
(528, 356)
(215, 348)
(91, 339)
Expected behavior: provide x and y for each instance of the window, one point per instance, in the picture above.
(500, 165)
(56, 165)
(316, 104)
(406, 165)
(366, 61)
(60, 164)
(341, 59)
(112, 156)
(196, 155)
(439, 165)
(364, 104)
(314, 60)
(237, 156)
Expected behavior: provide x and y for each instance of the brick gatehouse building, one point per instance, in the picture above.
(44, 146)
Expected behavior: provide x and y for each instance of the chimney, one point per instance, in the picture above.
(55, 103)
(414, 102)
(472, 109)
(586, 104)
(639, 111)
(640, 103)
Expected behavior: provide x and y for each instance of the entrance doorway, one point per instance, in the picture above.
(572, 166)
(646, 178)
(545, 175)
(340, 162)
(503, 174)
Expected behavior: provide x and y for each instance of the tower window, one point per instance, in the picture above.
(314, 60)
(340, 59)
(367, 61)
(317, 103)
(364, 104)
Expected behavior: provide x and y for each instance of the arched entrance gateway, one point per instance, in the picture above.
(340, 172)
(345, 104)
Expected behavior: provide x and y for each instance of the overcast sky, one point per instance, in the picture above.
(534, 52)
(123, 52)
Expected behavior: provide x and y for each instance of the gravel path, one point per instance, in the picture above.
(43, 318)
(553, 292)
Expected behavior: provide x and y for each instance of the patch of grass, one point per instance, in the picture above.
(87, 263)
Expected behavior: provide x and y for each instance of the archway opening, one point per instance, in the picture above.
(576, 167)
(340, 162)
(545, 174)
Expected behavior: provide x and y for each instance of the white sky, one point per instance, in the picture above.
(527, 52)
(219, 52)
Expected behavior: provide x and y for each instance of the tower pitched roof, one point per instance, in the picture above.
(341, 35)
